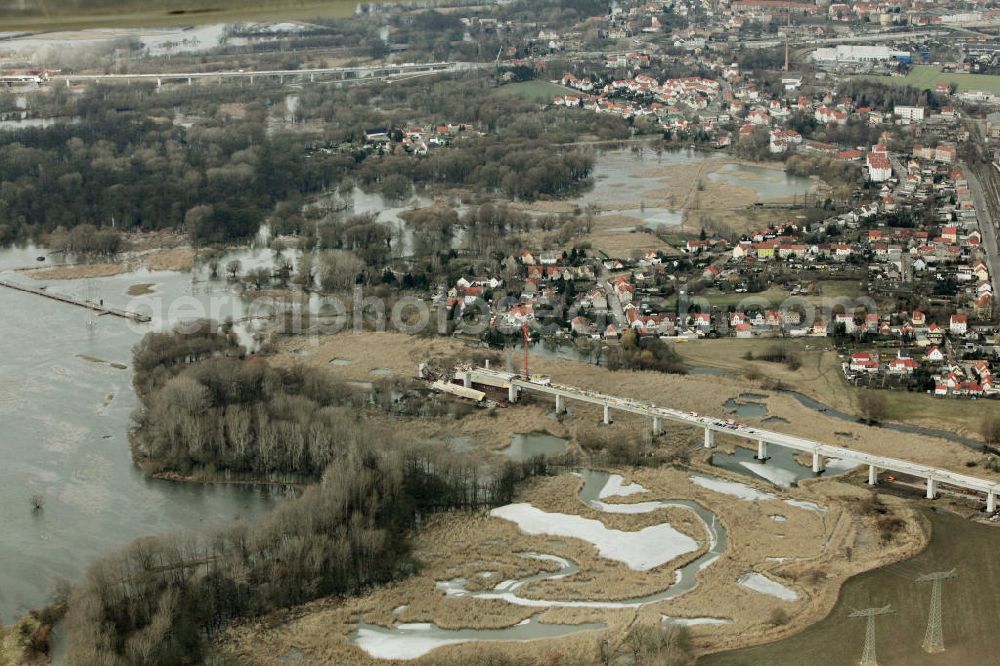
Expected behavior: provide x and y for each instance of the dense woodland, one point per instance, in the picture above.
(124, 164)
(204, 406)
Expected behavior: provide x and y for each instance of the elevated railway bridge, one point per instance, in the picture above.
(933, 477)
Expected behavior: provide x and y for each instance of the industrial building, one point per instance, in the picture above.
(854, 54)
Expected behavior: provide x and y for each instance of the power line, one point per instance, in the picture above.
(868, 656)
(934, 637)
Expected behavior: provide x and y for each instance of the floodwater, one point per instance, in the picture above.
(768, 183)
(625, 180)
(781, 468)
(65, 412)
(526, 446)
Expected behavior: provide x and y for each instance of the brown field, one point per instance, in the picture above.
(177, 259)
(824, 550)
(173, 259)
(699, 393)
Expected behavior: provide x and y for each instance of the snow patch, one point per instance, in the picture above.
(615, 488)
(642, 550)
(405, 643)
(452, 588)
(782, 478)
(637, 507)
(758, 582)
(840, 466)
(803, 504)
(732, 488)
(693, 621)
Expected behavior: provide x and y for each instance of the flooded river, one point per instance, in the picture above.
(65, 411)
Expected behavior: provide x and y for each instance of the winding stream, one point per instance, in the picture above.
(408, 641)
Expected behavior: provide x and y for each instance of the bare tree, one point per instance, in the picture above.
(990, 430)
(872, 405)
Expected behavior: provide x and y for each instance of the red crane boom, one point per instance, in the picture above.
(526, 340)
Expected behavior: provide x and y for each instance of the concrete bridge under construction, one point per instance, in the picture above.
(933, 476)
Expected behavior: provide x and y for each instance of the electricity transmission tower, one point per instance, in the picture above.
(868, 656)
(934, 638)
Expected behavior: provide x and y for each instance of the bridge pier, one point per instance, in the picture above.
(991, 502)
(511, 393)
(68, 85)
(817, 466)
(657, 426)
(159, 83)
(709, 438)
(560, 404)
(761, 450)
(607, 415)
(189, 80)
(872, 475)
(467, 379)
(931, 488)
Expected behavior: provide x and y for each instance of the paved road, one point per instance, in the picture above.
(987, 221)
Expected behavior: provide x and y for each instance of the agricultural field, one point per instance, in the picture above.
(928, 76)
(969, 608)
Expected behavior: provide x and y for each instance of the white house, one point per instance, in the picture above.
(909, 114)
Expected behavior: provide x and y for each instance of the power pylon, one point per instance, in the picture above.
(868, 656)
(934, 638)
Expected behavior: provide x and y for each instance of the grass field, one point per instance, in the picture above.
(927, 76)
(536, 91)
(838, 288)
(970, 608)
(772, 295)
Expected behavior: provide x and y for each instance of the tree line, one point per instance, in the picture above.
(157, 601)
(160, 599)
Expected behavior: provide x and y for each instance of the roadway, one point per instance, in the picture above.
(820, 451)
